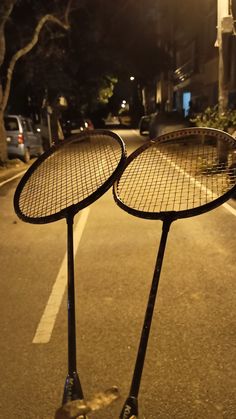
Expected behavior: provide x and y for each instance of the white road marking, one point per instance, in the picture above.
(230, 209)
(12, 178)
(48, 319)
(198, 184)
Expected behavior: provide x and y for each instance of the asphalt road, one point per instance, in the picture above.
(190, 368)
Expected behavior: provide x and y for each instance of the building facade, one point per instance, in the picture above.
(189, 32)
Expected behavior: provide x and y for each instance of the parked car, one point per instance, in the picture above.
(111, 120)
(144, 124)
(23, 140)
(125, 118)
(164, 122)
(72, 126)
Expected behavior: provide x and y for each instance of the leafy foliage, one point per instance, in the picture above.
(211, 118)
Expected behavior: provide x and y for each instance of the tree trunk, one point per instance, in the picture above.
(222, 10)
(3, 140)
(5, 11)
(6, 8)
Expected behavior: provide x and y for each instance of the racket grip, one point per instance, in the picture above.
(130, 409)
(72, 388)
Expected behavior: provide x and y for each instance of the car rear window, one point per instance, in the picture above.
(11, 124)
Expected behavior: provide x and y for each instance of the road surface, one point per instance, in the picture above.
(190, 366)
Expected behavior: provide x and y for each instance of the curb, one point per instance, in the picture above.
(13, 169)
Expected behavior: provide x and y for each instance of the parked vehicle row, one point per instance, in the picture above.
(24, 140)
(72, 126)
(161, 123)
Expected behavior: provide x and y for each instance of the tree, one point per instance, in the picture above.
(77, 64)
(82, 63)
(6, 9)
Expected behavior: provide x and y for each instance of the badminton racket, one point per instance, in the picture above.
(64, 180)
(177, 175)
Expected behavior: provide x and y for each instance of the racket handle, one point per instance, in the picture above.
(130, 409)
(72, 388)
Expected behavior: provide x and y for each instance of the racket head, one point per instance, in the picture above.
(177, 175)
(69, 176)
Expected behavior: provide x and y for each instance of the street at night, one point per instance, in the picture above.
(189, 371)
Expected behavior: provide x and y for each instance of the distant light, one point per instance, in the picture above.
(62, 101)
(123, 105)
(132, 78)
(124, 101)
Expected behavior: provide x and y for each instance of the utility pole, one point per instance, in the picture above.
(224, 26)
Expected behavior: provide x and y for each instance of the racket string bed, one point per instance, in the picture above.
(167, 177)
(68, 176)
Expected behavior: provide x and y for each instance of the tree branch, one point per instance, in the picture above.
(67, 12)
(23, 51)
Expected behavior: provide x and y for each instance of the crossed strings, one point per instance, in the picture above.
(175, 177)
(69, 175)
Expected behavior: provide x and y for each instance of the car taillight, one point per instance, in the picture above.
(20, 139)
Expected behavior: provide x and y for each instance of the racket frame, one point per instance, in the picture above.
(72, 209)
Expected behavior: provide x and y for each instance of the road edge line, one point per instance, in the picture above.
(12, 178)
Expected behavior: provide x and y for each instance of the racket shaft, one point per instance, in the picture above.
(72, 388)
(71, 301)
(149, 313)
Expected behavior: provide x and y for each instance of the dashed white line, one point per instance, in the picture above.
(48, 319)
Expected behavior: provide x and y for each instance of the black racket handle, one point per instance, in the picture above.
(72, 388)
(130, 409)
